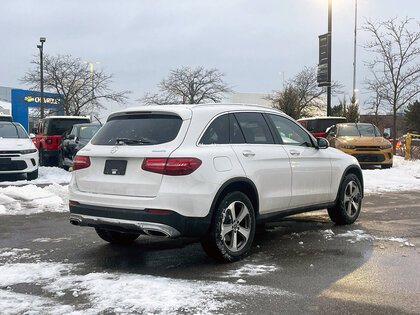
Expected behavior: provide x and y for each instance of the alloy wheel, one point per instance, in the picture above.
(235, 226)
(352, 198)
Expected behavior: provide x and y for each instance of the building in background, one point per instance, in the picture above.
(247, 98)
(24, 105)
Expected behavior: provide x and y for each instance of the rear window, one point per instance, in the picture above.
(87, 132)
(320, 125)
(144, 129)
(59, 126)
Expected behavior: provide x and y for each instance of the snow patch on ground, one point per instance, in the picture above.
(360, 235)
(30, 199)
(404, 175)
(51, 240)
(117, 292)
(46, 175)
(250, 270)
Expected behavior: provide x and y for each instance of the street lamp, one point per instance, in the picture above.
(41, 47)
(91, 63)
(354, 53)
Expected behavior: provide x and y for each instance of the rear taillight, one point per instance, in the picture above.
(171, 166)
(80, 162)
(398, 144)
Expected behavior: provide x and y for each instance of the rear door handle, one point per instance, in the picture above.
(294, 152)
(248, 153)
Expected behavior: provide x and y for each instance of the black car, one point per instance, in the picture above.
(73, 140)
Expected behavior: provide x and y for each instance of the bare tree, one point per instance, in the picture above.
(81, 90)
(309, 95)
(375, 103)
(395, 68)
(189, 86)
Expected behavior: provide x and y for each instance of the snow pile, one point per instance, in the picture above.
(404, 175)
(117, 292)
(46, 175)
(32, 199)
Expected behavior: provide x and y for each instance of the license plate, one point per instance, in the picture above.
(115, 167)
(5, 161)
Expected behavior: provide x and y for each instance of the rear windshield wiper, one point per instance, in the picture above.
(130, 141)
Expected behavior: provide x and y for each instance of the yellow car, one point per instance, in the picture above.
(363, 141)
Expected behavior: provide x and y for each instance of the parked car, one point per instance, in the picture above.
(48, 137)
(73, 140)
(212, 171)
(18, 154)
(4, 117)
(363, 141)
(318, 125)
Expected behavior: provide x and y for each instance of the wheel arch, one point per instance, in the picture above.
(242, 184)
(352, 169)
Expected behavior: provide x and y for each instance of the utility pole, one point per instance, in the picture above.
(329, 55)
(41, 65)
(354, 60)
(91, 63)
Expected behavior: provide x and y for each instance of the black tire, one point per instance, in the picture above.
(386, 165)
(349, 201)
(43, 161)
(61, 161)
(32, 175)
(118, 238)
(241, 228)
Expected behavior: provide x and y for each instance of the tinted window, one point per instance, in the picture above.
(320, 125)
(87, 132)
(59, 126)
(217, 132)
(10, 130)
(254, 128)
(236, 135)
(141, 129)
(289, 132)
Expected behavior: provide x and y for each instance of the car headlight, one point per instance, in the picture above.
(388, 146)
(28, 151)
(344, 146)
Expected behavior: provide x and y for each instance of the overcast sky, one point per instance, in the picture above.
(252, 42)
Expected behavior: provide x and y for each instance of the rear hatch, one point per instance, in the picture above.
(117, 151)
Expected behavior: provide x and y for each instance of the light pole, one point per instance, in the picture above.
(354, 57)
(329, 57)
(91, 63)
(41, 65)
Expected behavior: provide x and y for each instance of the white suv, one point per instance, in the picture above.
(213, 171)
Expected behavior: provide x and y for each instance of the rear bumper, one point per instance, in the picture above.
(139, 221)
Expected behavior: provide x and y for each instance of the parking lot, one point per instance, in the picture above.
(303, 264)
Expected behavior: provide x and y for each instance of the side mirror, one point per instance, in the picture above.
(322, 143)
(32, 136)
(332, 134)
(386, 135)
(71, 137)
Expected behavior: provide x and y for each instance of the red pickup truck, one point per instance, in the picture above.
(48, 136)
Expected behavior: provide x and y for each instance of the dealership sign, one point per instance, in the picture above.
(23, 100)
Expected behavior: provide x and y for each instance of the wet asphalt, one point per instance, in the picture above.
(326, 275)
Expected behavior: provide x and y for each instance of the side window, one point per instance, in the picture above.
(217, 132)
(45, 126)
(290, 133)
(236, 135)
(254, 128)
(73, 131)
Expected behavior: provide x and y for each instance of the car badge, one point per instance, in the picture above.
(114, 149)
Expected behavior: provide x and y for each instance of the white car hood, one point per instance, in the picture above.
(7, 144)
